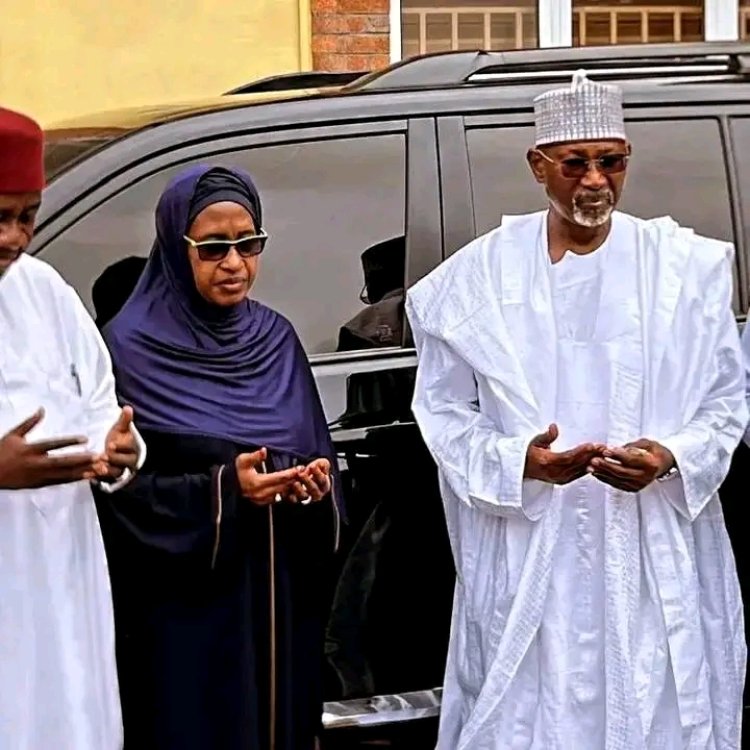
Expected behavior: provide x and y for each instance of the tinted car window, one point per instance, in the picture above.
(325, 203)
(500, 178)
(677, 170)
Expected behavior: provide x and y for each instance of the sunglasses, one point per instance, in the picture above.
(215, 250)
(575, 167)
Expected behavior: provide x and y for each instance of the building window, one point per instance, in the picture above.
(604, 22)
(422, 26)
(443, 25)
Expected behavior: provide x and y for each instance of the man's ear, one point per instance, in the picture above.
(536, 164)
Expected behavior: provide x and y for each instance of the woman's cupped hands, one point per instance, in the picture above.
(304, 484)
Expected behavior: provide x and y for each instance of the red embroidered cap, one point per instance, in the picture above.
(21, 153)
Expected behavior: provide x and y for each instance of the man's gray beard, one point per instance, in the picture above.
(586, 215)
(592, 217)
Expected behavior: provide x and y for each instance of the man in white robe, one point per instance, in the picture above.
(60, 429)
(581, 388)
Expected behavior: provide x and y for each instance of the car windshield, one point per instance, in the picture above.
(63, 148)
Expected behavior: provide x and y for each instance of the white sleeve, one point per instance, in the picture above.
(96, 383)
(746, 358)
(703, 449)
(483, 466)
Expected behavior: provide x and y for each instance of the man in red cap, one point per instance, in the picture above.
(61, 429)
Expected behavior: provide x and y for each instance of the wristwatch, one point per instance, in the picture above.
(669, 474)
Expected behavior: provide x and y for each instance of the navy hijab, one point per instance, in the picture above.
(188, 367)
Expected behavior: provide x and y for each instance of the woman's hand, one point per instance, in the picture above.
(313, 484)
(261, 488)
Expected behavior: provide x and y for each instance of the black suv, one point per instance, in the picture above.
(367, 187)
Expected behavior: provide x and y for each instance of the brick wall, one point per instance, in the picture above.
(350, 35)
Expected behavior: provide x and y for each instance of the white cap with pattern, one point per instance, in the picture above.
(586, 111)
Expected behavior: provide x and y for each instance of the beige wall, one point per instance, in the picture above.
(60, 58)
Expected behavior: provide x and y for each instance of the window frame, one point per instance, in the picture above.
(742, 209)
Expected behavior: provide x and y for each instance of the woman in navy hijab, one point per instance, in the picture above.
(218, 548)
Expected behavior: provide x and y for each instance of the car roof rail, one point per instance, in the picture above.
(290, 81)
(444, 69)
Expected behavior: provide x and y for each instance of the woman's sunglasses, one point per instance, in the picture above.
(215, 250)
(575, 167)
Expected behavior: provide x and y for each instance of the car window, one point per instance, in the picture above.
(500, 178)
(677, 170)
(325, 204)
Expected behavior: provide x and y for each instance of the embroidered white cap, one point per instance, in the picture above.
(585, 111)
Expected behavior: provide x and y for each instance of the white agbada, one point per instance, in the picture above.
(585, 618)
(58, 682)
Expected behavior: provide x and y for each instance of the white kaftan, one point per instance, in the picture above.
(58, 683)
(585, 618)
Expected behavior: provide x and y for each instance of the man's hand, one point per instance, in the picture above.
(26, 465)
(313, 484)
(634, 466)
(121, 448)
(558, 468)
(261, 488)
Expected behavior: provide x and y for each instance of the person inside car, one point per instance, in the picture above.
(380, 323)
(113, 286)
(218, 550)
(581, 387)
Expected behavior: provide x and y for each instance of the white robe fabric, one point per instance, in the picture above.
(58, 681)
(585, 618)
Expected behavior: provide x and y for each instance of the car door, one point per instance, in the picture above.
(338, 201)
